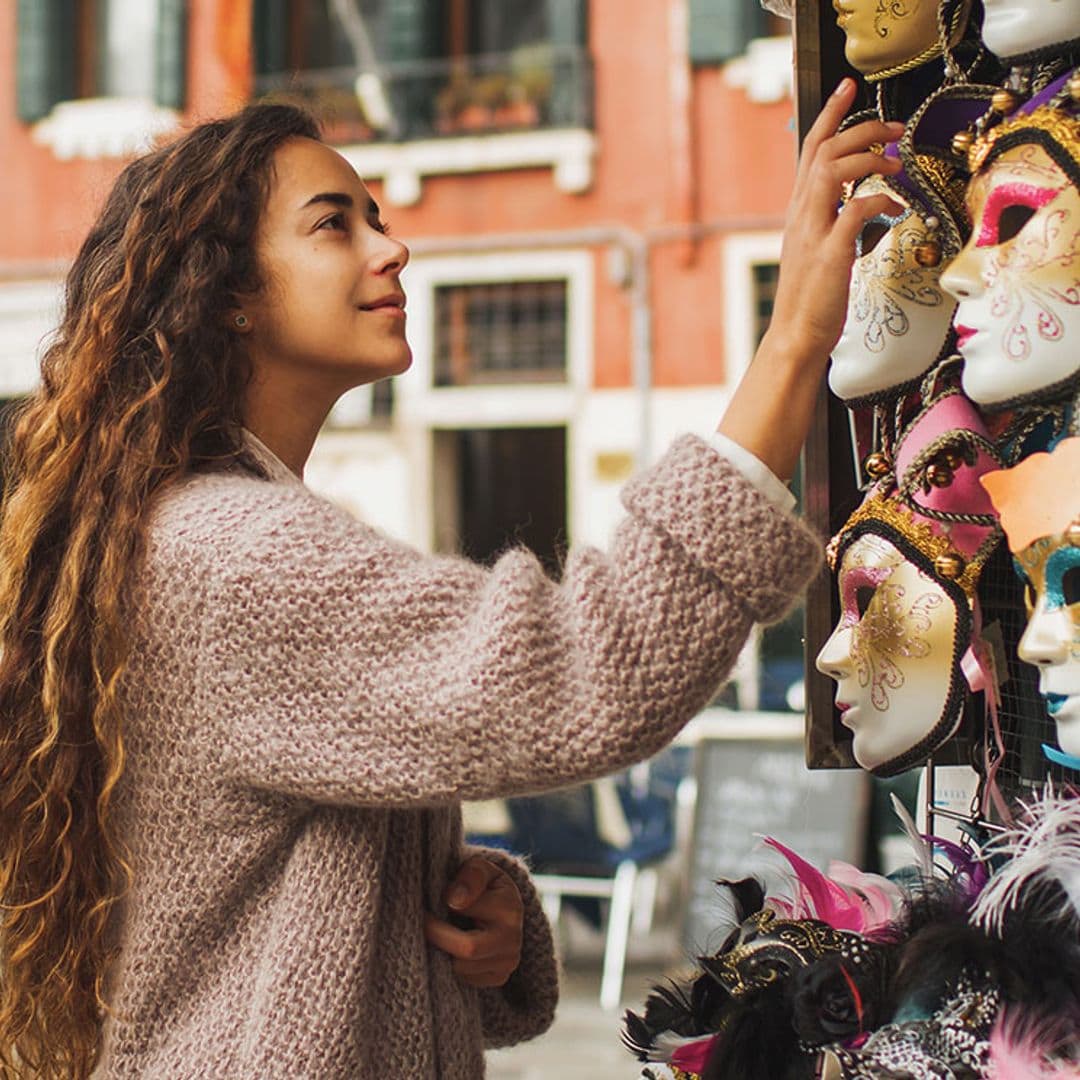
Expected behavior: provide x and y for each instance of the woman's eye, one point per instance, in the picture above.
(863, 595)
(333, 222)
(871, 235)
(382, 227)
(1070, 586)
(1012, 219)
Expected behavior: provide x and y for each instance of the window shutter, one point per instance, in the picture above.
(721, 29)
(566, 22)
(171, 59)
(412, 30)
(45, 56)
(270, 36)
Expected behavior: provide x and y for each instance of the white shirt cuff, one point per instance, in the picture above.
(755, 470)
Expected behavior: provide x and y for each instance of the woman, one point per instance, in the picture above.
(237, 724)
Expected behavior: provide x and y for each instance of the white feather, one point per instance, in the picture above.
(1043, 847)
(924, 853)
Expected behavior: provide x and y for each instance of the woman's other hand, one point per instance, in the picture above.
(770, 411)
(487, 953)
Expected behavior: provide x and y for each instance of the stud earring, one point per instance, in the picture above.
(241, 321)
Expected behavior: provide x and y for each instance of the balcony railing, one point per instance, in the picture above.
(533, 89)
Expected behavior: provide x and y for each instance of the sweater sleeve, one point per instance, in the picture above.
(339, 666)
(525, 1006)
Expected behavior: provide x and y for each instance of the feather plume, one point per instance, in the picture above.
(846, 898)
(1041, 873)
(1023, 1048)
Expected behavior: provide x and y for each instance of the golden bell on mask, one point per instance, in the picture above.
(961, 143)
(939, 474)
(954, 459)
(949, 566)
(928, 253)
(1004, 102)
(1072, 534)
(1073, 86)
(876, 465)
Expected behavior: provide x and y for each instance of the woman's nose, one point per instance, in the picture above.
(392, 255)
(834, 659)
(962, 278)
(1047, 637)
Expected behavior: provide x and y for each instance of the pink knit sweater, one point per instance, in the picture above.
(307, 704)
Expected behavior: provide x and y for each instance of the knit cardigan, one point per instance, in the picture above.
(306, 705)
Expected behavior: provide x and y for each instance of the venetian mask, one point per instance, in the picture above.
(1018, 28)
(1043, 530)
(883, 35)
(905, 643)
(898, 315)
(1018, 277)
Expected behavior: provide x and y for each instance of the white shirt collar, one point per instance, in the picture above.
(275, 468)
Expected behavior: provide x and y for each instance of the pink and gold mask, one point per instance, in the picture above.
(1018, 277)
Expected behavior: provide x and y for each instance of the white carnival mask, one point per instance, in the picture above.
(1018, 277)
(1039, 503)
(905, 647)
(898, 316)
(1014, 28)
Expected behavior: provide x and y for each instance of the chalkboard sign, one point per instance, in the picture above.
(749, 788)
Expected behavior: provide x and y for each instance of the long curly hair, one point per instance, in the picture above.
(143, 381)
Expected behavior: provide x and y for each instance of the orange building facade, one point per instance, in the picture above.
(593, 211)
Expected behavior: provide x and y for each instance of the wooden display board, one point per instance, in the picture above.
(829, 493)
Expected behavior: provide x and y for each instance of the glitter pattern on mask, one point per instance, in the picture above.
(888, 278)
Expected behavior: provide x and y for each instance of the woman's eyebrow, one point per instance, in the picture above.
(340, 198)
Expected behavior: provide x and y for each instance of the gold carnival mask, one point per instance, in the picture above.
(886, 35)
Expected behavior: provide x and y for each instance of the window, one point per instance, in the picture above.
(500, 332)
(721, 29)
(766, 275)
(72, 49)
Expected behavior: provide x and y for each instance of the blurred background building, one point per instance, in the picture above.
(592, 191)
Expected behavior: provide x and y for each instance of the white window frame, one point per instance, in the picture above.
(421, 407)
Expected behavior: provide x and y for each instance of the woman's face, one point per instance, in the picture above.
(1050, 568)
(891, 653)
(898, 316)
(1018, 279)
(882, 34)
(1015, 27)
(333, 309)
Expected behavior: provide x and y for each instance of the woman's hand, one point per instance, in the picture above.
(819, 245)
(770, 411)
(489, 952)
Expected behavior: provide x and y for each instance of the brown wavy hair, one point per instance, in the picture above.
(143, 381)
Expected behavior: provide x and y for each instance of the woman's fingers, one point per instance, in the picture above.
(862, 136)
(856, 166)
(829, 119)
(855, 215)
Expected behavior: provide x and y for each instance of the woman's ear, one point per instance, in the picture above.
(239, 322)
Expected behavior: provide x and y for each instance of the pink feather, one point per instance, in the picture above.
(1020, 1049)
(691, 1057)
(848, 900)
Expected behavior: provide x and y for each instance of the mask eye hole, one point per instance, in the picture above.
(863, 595)
(1070, 585)
(873, 232)
(1029, 597)
(1012, 220)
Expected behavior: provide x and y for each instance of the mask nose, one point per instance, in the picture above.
(835, 658)
(1047, 637)
(961, 278)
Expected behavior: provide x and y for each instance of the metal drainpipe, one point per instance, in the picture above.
(637, 246)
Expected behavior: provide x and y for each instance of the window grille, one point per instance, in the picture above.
(500, 332)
